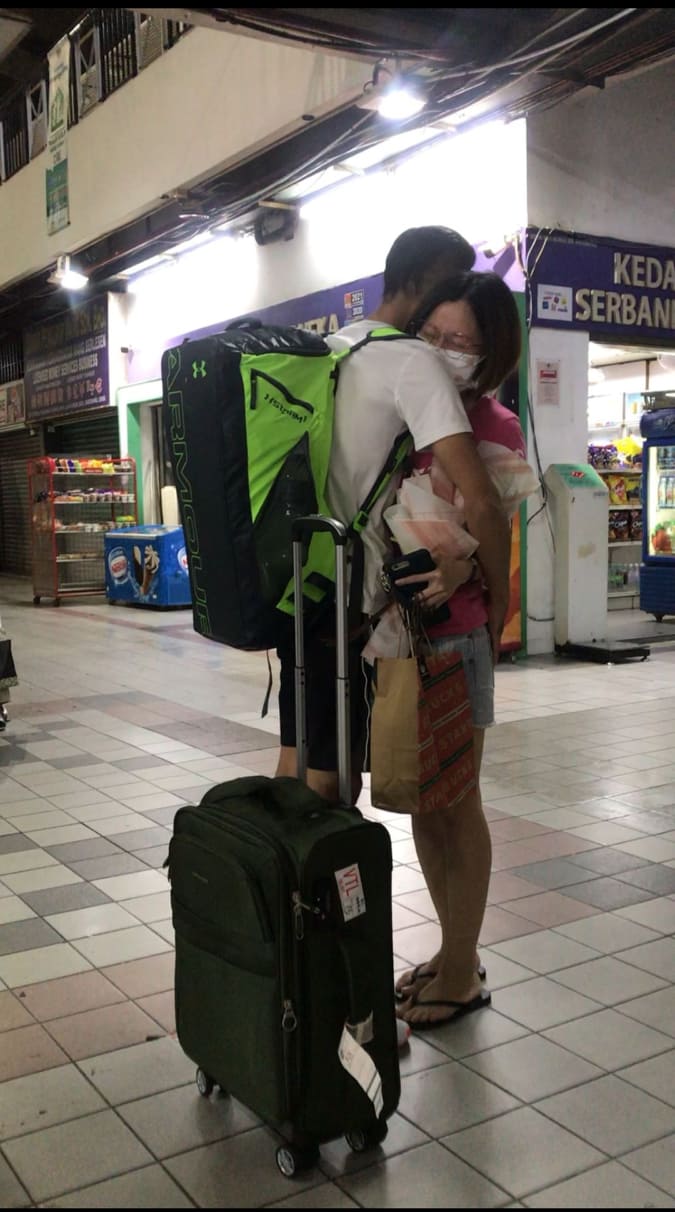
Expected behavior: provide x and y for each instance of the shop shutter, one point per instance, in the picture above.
(15, 511)
(94, 434)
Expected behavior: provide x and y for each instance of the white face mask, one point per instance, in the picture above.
(460, 365)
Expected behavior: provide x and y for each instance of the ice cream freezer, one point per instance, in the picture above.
(147, 565)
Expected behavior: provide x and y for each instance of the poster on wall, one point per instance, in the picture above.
(56, 181)
(66, 362)
(12, 405)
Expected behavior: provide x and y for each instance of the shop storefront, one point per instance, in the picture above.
(602, 314)
(18, 443)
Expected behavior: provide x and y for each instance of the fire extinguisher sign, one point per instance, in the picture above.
(548, 382)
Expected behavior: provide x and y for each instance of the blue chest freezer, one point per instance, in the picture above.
(147, 565)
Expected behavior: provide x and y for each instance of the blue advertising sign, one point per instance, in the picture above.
(608, 288)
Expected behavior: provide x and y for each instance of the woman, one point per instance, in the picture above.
(473, 322)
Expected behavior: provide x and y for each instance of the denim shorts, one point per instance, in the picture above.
(476, 653)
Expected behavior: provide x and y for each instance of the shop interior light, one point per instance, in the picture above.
(66, 277)
(194, 242)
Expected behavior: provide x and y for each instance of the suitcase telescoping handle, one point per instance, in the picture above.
(302, 527)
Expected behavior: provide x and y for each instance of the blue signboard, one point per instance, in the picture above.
(609, 288)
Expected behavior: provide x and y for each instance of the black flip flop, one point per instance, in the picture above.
(478, 1002)
(401, 997)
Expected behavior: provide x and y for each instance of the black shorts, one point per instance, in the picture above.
(320, 684)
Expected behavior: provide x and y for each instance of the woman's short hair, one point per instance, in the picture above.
(496, 313)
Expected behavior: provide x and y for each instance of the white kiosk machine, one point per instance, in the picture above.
(580, 509)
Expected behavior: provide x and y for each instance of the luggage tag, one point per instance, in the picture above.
(350, 888)
(358, 1064)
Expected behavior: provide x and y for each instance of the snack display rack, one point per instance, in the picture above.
(74, 502)
(625, 522)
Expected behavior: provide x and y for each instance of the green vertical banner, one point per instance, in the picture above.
(58, 214)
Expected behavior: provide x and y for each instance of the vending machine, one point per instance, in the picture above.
(657, 571)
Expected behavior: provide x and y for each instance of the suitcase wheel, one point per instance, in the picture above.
(292, 1160)
(362, 1139)
(205, 1084)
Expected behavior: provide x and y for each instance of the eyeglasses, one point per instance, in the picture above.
(451, 340)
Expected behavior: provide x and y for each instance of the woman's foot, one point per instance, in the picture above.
(433, 1006)
(412, 982)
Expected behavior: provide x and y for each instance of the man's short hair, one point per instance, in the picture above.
(423, 253)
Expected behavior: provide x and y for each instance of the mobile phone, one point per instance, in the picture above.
(409, 566)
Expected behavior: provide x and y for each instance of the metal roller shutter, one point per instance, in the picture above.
(97, 433)
(15, 511)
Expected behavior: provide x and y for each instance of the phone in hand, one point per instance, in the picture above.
(410, 565)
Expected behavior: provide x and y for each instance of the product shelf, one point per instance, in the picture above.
(69, 558)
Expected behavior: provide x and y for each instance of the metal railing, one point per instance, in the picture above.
(109, 47)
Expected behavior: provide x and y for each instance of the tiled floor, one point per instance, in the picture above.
(560, 1095)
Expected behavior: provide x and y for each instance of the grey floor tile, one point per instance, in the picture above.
(152, 856)
(71, 1155)
(25, 935)
(606, 860)
(338, 1160)
(608, 893)
(608, 980)
(449, 1097)
(609, 1039)
(112, 864)
(39, 1100)
(149, 1187)
(656, 1076)
(532, 1068)
(62, 900)
(551, 873)
(523, 1151)
(611, 1115)
(656, 1009)
(142, 839)
(163, 816)
(143, 763)
(655, 878)
(133, 1073)
(181, 1119)
(328, 1195)
(655, 1163)
(240, 1172)
(76, 852)
(608, 1186)
(657, 957)
(542, 1002)
(12, 1194)
(427, 1177)
(12, 842)
(546, 951)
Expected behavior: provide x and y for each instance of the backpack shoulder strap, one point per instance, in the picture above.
(384, 333)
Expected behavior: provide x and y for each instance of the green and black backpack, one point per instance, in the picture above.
(249, 414)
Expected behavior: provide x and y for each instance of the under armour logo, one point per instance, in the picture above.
(199, 370)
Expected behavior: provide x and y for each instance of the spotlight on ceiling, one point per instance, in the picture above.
(399, 101)
(66, 277)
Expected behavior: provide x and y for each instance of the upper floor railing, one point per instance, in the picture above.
(108, 47)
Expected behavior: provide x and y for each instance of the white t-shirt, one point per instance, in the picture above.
(384, 389)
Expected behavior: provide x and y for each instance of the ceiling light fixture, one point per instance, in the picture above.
(391, 93)
(66, 277)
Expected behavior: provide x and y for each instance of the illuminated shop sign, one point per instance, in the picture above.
(606, 287)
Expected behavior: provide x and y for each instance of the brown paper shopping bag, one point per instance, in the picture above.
(421, 736)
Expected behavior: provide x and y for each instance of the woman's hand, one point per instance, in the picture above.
(440, 584)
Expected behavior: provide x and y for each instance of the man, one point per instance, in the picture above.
(386, 388)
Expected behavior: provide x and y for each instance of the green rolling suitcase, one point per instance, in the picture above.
(281, 905)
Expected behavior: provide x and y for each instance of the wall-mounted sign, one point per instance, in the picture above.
(12, 405)
(548, 382)
(610, 288)
(66, 362)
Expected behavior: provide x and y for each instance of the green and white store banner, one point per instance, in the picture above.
(58, 213)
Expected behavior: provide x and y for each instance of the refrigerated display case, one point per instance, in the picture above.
(74, 502)
(657, 572)
(147, 566)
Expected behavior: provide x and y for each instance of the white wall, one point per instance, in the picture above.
(211, 100)
(602, 162)
(345, 236)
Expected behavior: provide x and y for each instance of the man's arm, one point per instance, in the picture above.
(486, 521)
